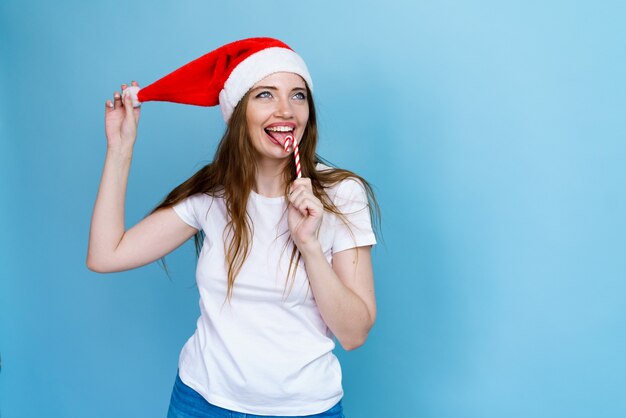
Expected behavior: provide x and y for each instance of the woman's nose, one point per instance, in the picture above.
(283, 108)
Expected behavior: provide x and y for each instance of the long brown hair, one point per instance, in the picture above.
(231, 176)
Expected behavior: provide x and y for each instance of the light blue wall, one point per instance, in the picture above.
(493, 131)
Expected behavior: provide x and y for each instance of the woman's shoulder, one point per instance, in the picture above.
(341, 184)
(340, 177)
(323, 167)
(204, 198)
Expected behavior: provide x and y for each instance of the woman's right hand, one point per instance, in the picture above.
(120, 121)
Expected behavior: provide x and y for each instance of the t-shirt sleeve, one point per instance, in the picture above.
(187, 211)
(351, 200)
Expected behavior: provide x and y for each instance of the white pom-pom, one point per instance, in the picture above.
(133, 91)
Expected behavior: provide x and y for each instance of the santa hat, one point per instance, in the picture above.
(225, 75)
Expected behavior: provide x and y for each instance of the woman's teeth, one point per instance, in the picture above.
(279, 134)
(280, 129)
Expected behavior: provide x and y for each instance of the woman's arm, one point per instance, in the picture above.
(344, 292)
(111, 248)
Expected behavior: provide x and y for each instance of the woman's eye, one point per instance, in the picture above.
(300, 96)
(264, 95)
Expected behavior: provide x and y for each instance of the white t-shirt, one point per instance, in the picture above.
(265, 353)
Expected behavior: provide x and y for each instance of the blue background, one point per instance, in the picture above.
(494, 133)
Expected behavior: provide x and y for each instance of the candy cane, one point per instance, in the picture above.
(289, 140)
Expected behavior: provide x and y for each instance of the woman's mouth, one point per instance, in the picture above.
(279, 133)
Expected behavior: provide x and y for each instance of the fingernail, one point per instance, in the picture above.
(109, 104)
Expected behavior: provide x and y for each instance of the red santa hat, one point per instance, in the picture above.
(225, 75)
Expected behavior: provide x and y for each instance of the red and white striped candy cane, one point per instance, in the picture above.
(289, 140)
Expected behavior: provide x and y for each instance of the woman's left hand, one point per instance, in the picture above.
(305, 214)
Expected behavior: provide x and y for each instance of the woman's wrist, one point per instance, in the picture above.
(311, 248)
(121, 153)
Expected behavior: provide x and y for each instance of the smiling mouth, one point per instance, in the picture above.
(278, 134)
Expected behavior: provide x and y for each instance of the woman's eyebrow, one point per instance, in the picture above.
(276, 88)
(266, 87)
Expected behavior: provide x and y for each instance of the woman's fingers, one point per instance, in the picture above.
(302, 198)
(307, 205)
(111, 105)
(136, 110)
(121, 118)
(303, 204)
(299, 186)
(302, 183)
(117, 100)
(128, 105)
(296, 195)
(126, 100)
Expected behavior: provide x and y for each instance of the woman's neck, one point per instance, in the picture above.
(269, 179)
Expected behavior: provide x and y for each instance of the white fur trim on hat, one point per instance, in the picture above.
(133, 91)
(254, 69)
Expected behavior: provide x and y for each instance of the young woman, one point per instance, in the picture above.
(285, 262)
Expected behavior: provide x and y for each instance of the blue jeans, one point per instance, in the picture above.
(187, 403)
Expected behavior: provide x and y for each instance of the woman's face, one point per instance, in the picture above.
(277, 107)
